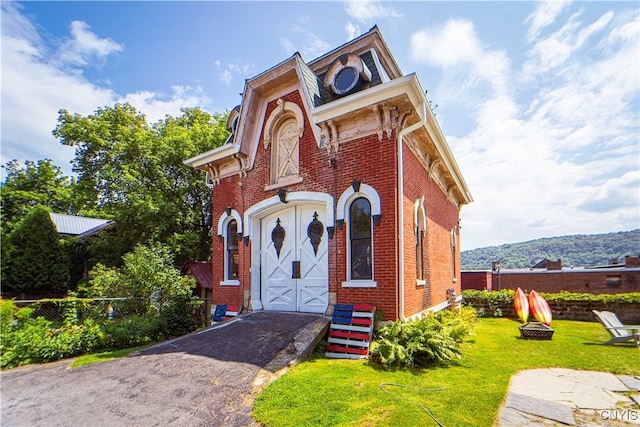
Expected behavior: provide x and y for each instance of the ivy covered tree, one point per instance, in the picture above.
(33, 259)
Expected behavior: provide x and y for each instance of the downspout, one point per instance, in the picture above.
(401, 135)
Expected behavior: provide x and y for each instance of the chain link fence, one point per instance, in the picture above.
(60, 309)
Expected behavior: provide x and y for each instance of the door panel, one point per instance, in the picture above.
(279, 250)
(313, 286)
(293, 234)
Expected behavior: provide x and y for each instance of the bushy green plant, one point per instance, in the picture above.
(180, 316)
(133, 331)
(37, 261)
(432, 340)
(7, 311)
(148, 273)
(35, 340)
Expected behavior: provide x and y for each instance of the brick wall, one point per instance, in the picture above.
(442, 261)
(580, 281)
(478, 280)
(372, 161)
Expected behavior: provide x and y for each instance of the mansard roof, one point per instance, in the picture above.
(376, 80)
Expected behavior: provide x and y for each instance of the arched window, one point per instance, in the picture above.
(230, 232)
(420, 226)
(285, 154)
(359, 209)
(283, 129)
(360, 240)
(231, 251)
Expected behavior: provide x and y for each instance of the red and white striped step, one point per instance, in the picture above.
(351, 331)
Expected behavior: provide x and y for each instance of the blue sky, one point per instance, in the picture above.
(539, 101)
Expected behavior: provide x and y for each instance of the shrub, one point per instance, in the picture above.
(39, 340)
(37, 261)
(492, 303)
(432, 340)
(180, 316)
(133, 331)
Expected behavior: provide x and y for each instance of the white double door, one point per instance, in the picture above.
(294, 259)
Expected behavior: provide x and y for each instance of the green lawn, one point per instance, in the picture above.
(330, 392)
(103, 356)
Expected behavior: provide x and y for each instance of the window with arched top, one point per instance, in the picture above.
(420, 227)
(283, 129)
(360, 240)
(286, 152)
(230, 233)
(231, 251)
(359, 210)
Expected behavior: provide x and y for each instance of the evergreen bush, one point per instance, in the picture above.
(36, 261)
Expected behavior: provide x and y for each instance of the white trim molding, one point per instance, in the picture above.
(234, 214)
(351, 194)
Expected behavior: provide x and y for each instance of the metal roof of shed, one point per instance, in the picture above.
(78, 226)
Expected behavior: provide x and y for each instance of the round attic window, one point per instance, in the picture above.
(344, 74)
(345, 80)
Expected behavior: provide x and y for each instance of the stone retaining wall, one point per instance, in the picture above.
(628, 313)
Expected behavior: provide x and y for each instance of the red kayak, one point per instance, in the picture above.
(539, 308)
(521, 304)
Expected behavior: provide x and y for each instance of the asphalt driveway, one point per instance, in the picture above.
(209, 378)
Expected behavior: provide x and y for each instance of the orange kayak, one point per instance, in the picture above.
(521, 305)
(539, 308)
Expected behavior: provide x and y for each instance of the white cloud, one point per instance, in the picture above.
(310, 45)
(230, 71)
(552, 51)
(35, 87)
(352, 30)
(156, 106)
(314, 46)
(85, 47)
(366, 11)
(454, 43)
(556, 153)
(544, 15)
(288, 45)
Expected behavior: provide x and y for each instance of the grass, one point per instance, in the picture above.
(331, 392)
(103, 356)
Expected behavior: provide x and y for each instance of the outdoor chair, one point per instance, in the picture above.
(618, 331)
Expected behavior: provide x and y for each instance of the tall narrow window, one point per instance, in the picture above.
(360, 239)
(420, 256)
(231, 271)
(420, 226)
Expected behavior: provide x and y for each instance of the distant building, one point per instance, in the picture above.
(551, 276)
(201, 272)
(78, 226)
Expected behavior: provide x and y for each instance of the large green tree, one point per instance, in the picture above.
(33, 259)
(132, 172)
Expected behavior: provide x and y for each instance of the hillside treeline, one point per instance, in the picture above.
(577, 250)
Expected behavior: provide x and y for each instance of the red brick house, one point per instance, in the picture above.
(335, 186)
(551, 276)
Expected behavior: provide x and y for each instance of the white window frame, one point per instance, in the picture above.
(343, 214)
(420, 227)
(223, 226)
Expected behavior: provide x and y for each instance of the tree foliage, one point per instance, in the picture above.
(133, 173)
(37, 183)
(33, 257)
(578, 250)
(147, 272)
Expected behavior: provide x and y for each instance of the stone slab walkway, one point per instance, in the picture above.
(556, 396)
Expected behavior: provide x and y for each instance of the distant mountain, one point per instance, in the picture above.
(578, 250)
